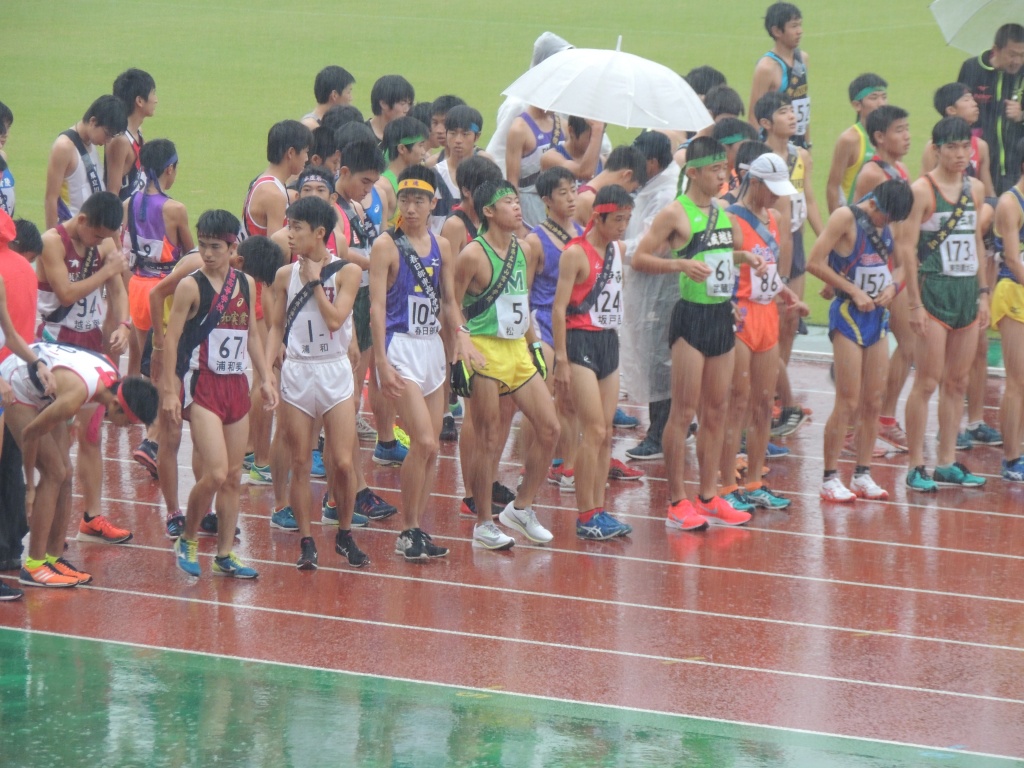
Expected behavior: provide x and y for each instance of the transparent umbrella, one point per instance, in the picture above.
(971, 25)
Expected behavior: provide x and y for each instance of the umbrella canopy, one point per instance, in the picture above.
(614, 87)
(971, 25)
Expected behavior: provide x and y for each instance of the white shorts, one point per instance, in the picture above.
(14, 371)
(315, 387)
(419, 360)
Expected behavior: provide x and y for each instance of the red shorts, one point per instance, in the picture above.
(225, 396)
(87, 339)
(759, 325)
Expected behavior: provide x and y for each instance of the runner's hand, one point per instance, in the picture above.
(861, 300)
(115, 262)
(6, 393)
(886, 297)
(827, 292)
(563, 381)
(984, 315)
(269, 391)
(391, 384)
(1013, 109)
(465, 350)
(119, 339)
(697, 271)
(918, 320)
(459, 379)
(309, 271)
(170, 406)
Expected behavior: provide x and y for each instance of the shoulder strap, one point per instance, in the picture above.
(412, 261)
(485, 302)
(556, 132)
(784, 81)
(90, 168)
(953, 221)
(464, 217)
(300, 299)
(758, 226)
(133, 228)
(556, 232)
(865, 225)
(602, 279)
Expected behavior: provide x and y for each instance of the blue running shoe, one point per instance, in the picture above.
(186, 555)
(776, 451)
(1014, 472)
(765, 498)
(456, 410)
(370, 505)
(329, 515)
(284, 519)
(248, 461)
(963, 442)
(175, 526)
(602, 526)
(956, 474)
(317, 468)
(623, 420)
(260, 475)
(983, 434)
(918, 480)
(390, 457)
(233, 567)
(738, 500)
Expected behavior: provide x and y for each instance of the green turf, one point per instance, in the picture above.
(86, 703)
(228, 69)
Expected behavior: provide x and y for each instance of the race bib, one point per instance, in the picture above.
(959, 255)
(607, 310)
(513, 313)
(720, 282)
(422, 321)
(873, 280)
(87, 314)
(802, 107)
(228, 350)
(765, 287)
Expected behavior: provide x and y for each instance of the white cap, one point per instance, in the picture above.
(772, 170)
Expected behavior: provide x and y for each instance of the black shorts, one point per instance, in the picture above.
(799, 256)
(708, 328)
(361, 318)
(596, 350)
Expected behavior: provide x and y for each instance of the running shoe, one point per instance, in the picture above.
(414, 544)
(919, 480)
(402, 437)
(247, 462)
(963, 441)
(145, 455)
(834, 491)
(260, 475)
(956, 474)
(9, 593)
(1013, 472)
(865, 487)
(175, 526)
(525, 521)
(601, 527)
(329, 515)
(718, 512)
(490, 536)
(363, 429)
(765, 498)
(45, 576)
(284, 519)
(345, 546)
(186, 555)
(307, 554)
(456, 409)
(232, 566)
(790, 419)
(433, 550)
(372, 506)
(209, 525)
(501, 495)
(774, 451)
(101, 529)
(620, 471)
(65, 568)
(850, 447)
(684, 517)
(392, 456)
(894, 435)
(738, 500)
(623, 420)
(647, 450)
(449, 433)
(317, 468)
(691, 433)
(468, 507)
(567, 484)
(555, 474)
(983, 434)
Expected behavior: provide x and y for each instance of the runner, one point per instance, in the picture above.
(123, 169)
(7, 196)
(783, 69)
(332, 87)
(956, 100)
(626, 167)
(405, 144)
(530, 135)
(391, 97)
(580, 151)
(853, 149)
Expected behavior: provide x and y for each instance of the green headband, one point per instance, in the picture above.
(411, 140)
(704, 161)
(952, 140)
(736, 138)
(503, 192)
(867, 92)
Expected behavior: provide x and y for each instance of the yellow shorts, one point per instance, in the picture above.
(138, 301)
(1007, 301)
(508, 362)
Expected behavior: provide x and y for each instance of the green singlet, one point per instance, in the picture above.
(948, 275)
(509, 316)
(716, 253)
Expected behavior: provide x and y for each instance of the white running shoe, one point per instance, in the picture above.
(864, 487)
(364, 430)
(525, 521)
(834, 490)
(490, 536)
(567, 483)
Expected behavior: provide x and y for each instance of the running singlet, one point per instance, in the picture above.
(798, 202)
(509, 316)
(135, 180)
(87, 313)
(865, 267)
(362, 232)
(226, 350)
(714, 249)
(6, 188)
(310, 338)
(606, 311)
(250, 225)
(794, 85)
(446, 197)
(542, 294)
(1004, 271)
(91, 367)
(76, 188)
(957, 256)
(865, 151)
(529, 167)
(760, 289)
(156, 256)
(408, 309)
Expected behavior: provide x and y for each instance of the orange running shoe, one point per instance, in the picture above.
(718, 511)
(684, 517)
(620, 471)
(62, 566)
(102, 530)
(45, 576)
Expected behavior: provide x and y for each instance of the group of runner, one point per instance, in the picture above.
(396, 252)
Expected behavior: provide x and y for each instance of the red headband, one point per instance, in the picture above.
(124, 405)
(607, 208)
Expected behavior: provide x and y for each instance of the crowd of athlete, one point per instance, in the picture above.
(396, 252)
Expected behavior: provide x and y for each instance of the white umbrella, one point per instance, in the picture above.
(614, 87)
(971, 25)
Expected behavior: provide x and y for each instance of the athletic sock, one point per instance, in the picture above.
(708, 500)
(387, 443)
(31, 565)
(861, 470)
(830, 473)
(887, 421)
(585, 517)
(88, 517)
(973, 425)
(556, 462)
(51, 559)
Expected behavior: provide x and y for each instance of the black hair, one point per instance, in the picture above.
(315, 212)
(27, 239)
(104, 210)
(1009, 33)
(391, 89)
(352, 132)
(484, 193)
(362, 156)
(261, 258)
(6, 117)
(894, 198)
(950, 129)
(133, 84)
(779, 15)
(218, 224)
(769, 104)
(140, 395)
(442, 104)
(867, 80)
(615, 195)
(947, 96)
(578, 125)
(748, 152)
(464, 118)
(339, 115)
(703, 79)
(655, 146)
(733, 126)
(549, 180)
(285, 135)
(329, 79)
(422, 111)
(628, 158)
(723, 100)
(475, 170)
(318, 171)
(155, 157)
(880, 120)
(422, 173)
(109, 113)
(400, 129)
(325, 144)
(700, 147)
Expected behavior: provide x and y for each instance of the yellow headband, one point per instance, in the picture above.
(418, 184)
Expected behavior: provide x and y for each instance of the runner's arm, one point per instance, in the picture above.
(669, 224)
(1009, 219)
(842, 158)
(767, 77)
(118, 158)
(813, 212)
(61, 155)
